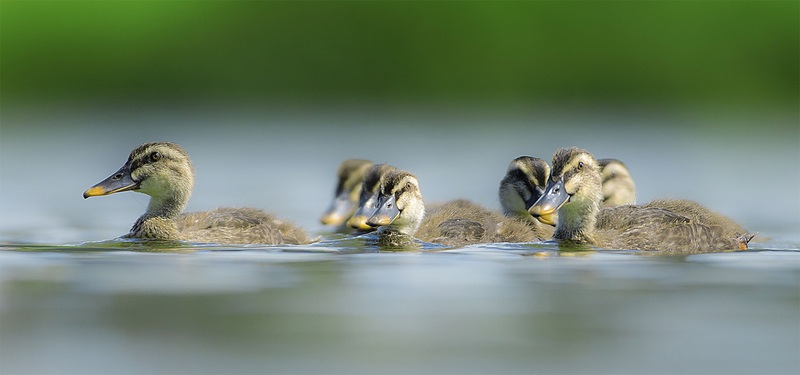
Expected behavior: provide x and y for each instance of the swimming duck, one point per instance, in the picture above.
(618, 186)
(163, 171)
(401, 210)
(368, 201)
(348, 189)
(523, 184)
(526, 178)
(574, 189)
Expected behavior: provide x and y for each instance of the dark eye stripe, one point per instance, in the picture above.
(521, 176)
(136, 164)
(145, 159)
(400, 192)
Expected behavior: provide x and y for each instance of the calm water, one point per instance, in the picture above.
(72, 302)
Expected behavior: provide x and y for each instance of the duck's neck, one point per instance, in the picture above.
(514, 206)
(168, 205)
(405, 227)
(512, 200)
(576, 220)
(407, 223)
(158, 222)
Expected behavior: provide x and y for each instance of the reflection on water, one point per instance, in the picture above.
(488, 309)
(343, 305)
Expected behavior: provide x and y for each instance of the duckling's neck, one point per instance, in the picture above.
(576, 220)
(402, 226)
(513, 205)
(407, 223)
(158, 222)
(167, 206)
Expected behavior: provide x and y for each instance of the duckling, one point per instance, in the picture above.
(521, 187)
(348, 189)
(527, 176)
(368, 202)
(618, 186)
(164, 171)
(574, 189)
(401, 210)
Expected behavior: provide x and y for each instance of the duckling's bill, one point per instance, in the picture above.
(546, 207)
(364, 212)
(549, 219)
(386, 213)
(117, 182)
(339, 211)
(359, 219)
(359, 222)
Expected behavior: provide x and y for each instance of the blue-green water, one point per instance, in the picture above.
(71, 302)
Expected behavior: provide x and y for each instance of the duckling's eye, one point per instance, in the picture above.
(156, 156)
(408, 185)
(580, 165)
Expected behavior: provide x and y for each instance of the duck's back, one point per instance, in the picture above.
(461, 222)
(229, 225)
(666, 225)
(698, 213)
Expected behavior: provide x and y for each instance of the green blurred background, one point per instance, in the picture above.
(715, 56)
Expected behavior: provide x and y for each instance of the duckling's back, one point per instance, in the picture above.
(245, 225)
(698, 213)
(461, 222)
(667, 225)
(656, 229)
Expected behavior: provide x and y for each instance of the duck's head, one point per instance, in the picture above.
(574, 183)
(618, 186)
(368, 201)
(522, 186)
(400, 205)
(348, 189)
(161, 170)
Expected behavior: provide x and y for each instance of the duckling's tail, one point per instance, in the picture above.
(744, 239)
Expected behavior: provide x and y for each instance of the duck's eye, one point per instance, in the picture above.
(156, 156)
(580, 165)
